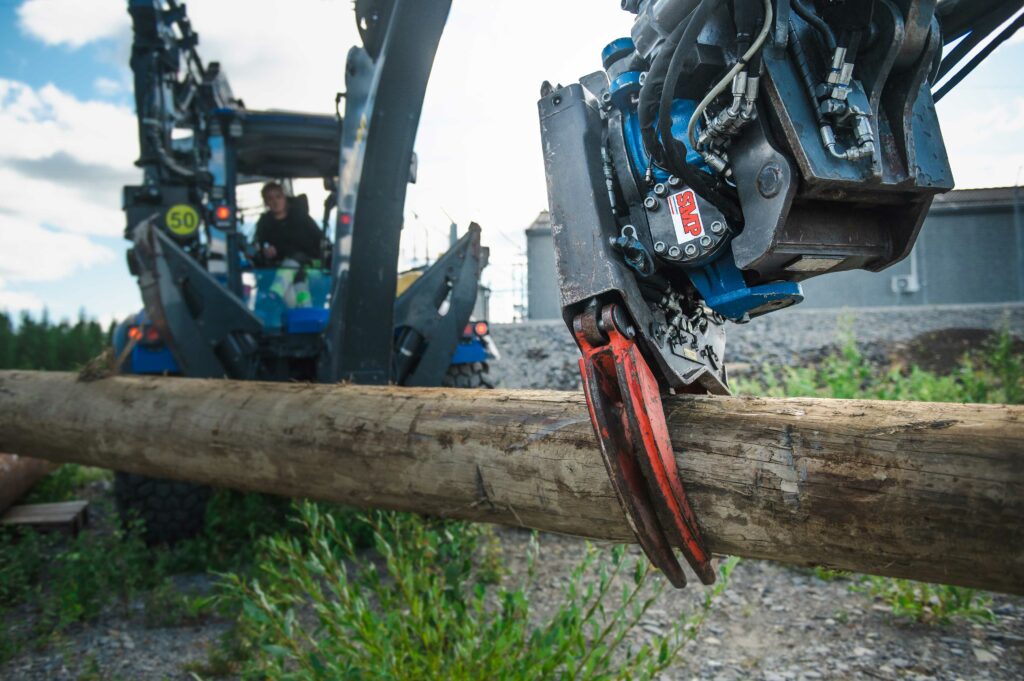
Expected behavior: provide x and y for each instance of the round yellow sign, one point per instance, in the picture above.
(182, 219)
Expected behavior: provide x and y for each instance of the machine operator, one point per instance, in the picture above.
(282, 234)
(288, 240)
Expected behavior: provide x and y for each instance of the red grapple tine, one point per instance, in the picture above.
(604, 402)
(629, 420)
(646, 418)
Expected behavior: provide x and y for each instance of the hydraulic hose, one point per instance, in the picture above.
(650, 93)
(691, 129)
(700, 182)
(816, 22)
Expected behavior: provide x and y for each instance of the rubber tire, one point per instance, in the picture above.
(472, 375)
(170, 510)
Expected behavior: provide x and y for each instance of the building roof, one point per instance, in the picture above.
(540, 225)
(978, 199)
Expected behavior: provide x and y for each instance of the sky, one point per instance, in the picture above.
(68, 130)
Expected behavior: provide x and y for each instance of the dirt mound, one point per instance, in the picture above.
(941, 351)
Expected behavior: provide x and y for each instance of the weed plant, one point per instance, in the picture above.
(419, 607)
(994, 374)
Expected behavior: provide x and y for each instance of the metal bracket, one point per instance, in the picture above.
(629, 420)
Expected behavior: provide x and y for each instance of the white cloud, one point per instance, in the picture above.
(72, 22)
(62, 164)
(107, 86)
(32, 253)
(17, 301)
(63, 160)
(37, 123)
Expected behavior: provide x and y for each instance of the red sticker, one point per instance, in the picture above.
(685, 216)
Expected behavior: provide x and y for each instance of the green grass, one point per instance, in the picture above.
(67, 581)
(421, 605)
(927, 603)
(64, 483)
(994, 373)
(64, 581)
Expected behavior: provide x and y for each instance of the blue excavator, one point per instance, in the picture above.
(214, 304)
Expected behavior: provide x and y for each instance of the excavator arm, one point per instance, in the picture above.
(726, 151)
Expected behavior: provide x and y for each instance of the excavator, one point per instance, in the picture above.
(721, 154)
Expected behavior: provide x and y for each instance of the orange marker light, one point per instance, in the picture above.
(481, 328)
(222, 213)
(135, 333)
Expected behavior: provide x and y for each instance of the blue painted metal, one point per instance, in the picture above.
(723, 288)
(143, 359)
(617, 49)
(153, 361)
(682, 109)
(623, 89)
(306, 319)
(469, 351)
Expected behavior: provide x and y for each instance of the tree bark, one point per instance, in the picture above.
(17, 476)
(933, 492)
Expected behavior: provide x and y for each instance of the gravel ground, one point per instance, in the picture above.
(773, 623)
(777, 623)
(542, 354)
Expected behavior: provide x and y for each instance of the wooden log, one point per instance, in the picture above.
(933, 492)
(17, 476)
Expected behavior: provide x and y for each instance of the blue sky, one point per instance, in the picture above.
(67, 132)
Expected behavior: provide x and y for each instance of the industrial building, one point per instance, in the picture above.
(971, 250)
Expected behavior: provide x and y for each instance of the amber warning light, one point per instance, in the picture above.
(222, 213)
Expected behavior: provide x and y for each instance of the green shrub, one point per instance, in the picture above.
(64, 483)
(69, 580)
(418, 607)
(928, 602)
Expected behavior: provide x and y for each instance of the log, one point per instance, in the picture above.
(933, 492)
(18, 474)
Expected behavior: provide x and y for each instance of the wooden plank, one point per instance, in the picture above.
(65, 516)
(926, 491)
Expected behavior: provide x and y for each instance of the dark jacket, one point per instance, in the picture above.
(296, 237)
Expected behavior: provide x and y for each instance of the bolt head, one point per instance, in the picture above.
(660, 189)
(717, 227)
(651, 203)
(659, 246)
(705, 241)
(674, 252)
(769, 180)
(674, 181)
(690, 249)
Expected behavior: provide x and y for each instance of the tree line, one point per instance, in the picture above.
(47, 346)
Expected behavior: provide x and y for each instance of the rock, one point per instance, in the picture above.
(984, 656)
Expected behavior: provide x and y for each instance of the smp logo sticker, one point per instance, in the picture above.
(685, 216)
